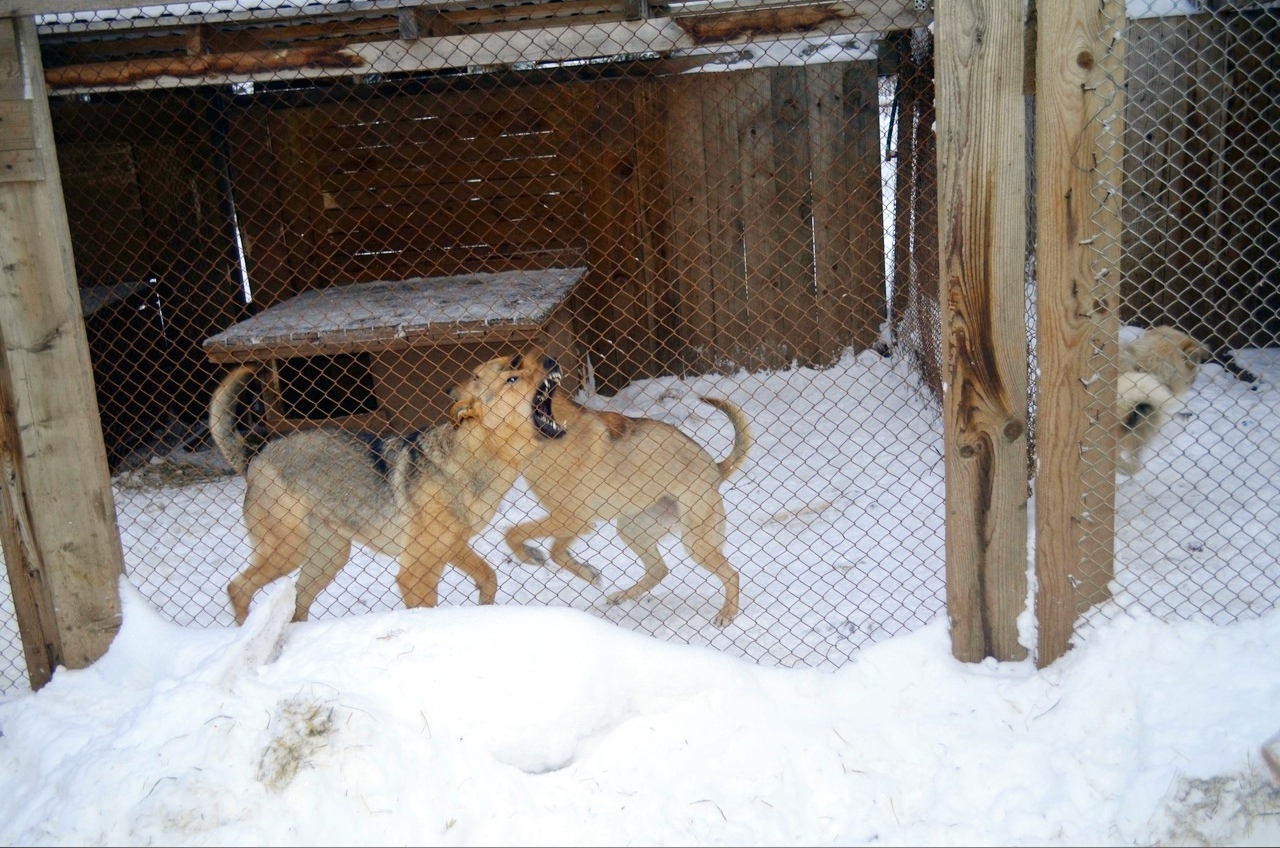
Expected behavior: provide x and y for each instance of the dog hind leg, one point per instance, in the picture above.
(642, 532)
(278, 544)
(704, 537)
(327, 552)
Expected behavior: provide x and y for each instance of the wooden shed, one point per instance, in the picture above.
(724, 218)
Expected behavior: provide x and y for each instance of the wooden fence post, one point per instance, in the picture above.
(1079, 129)
(982, 196)
(57, 515)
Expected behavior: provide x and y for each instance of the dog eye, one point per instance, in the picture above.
(514, 378)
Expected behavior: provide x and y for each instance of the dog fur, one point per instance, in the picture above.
(1157, 369)
(1144, 405)
(644, 474)
(1171, 355)
(309, 495)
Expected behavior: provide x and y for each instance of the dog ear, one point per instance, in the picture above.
(462, 410)
(516, 361)
(1194, 349)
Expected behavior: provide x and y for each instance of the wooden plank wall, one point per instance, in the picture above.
(727, 220)
(1202, 170)
(777, 236)
(416, 185)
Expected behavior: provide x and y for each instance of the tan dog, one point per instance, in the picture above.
(644, 474)
(1157, 368)
(1172, 356)
(1143, 405)
(310, 495)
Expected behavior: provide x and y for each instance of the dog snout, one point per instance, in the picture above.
(549, 365)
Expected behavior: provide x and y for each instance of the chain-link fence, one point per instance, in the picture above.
(366, 203)
(1198, 309)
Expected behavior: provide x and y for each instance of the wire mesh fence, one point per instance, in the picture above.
(1199, 320)
(674, 202)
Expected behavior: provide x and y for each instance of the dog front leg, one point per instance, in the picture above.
(327, 553)
(419, 577)
(563, 534)
(480, 572)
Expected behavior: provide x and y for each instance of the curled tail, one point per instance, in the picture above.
(222, 418)
(741, 436)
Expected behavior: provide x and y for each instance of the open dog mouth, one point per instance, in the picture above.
(546, 423)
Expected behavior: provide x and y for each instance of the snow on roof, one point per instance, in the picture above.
(400, 308)
(207, 11)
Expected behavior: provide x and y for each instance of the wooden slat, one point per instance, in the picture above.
(653, 201)
(1079, 87)
(451, 105)
(439, 221)
(794, 287)
(459, 159)
(417, 261)
(724, 100)
(981, 196)
(689, 253)
(151, 42)
(616, 324)
(300, 187)
(544, 232)
(760, 292)
(266, 233)
(460, 172)
(455, 196)
(494, 127)
(850, 219)
(834, 202)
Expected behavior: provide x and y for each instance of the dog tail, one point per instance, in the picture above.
(741, 436)
(222, 418)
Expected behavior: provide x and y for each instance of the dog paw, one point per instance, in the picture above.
(588, 573)
(530, 554)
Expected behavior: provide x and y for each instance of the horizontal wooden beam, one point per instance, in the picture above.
(670, 37)
(374, 342)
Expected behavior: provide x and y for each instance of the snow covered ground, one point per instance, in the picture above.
(829, 712)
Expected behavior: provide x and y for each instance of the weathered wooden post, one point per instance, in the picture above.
(57, 515)
(982, 196)
(1079, 130)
